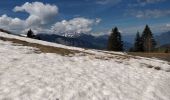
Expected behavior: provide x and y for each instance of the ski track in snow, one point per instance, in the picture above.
(25, 75)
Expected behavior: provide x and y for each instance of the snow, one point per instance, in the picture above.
(26, 75)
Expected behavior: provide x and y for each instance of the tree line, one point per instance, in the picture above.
(144, 42)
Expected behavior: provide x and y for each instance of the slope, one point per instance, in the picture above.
(84, 75)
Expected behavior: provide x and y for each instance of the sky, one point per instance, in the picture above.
(95, 17)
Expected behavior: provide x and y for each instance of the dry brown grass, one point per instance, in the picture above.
(42, 48)
(63, 51)
(163, 56)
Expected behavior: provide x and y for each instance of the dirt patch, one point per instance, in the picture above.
(150, 66)
(42, 48)
(157, 68)
(162, 56)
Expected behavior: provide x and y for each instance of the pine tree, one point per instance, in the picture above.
(148, 41)
(114, 42)
(138, 43)
(30, 34)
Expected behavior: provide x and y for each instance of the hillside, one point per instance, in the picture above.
(82, 40)
(38, 70)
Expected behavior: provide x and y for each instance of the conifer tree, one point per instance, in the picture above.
(30, 34)
(138, 43)
(148, 40)
(115, 42)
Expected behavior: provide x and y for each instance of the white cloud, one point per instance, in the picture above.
(33, 21)
(144, 2)
(98, 20)
(162, 27)
(11, 23)
(168, 25)
(40, 17)
(39, 13)
(103, 2)
(155, 28)
(150, 1)
(76, 25)
(156, 13)
(17, 25)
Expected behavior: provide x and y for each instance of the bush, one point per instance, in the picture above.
(30, 34)
(157, 68)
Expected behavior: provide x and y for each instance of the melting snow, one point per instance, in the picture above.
(25, 75)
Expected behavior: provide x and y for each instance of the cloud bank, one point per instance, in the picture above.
(39, 13)
(42, 15)
(77, 25)
(11, 23)
(103, 2)
(149, 1)
(142, 3)
(149, 13)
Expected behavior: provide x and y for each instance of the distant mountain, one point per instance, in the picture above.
(129, 38)
(165, 46)
(163, 38)
(64, 40)
(81, 40)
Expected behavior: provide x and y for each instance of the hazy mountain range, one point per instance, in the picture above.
(82, 40)
(98, 42)
(163, 38)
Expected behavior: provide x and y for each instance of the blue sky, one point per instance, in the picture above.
(87, 16)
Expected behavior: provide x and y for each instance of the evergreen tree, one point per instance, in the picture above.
(30, 34)
(115, 42)
(138, 43)
(148, 41)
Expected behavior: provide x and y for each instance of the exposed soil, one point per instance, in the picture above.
(42, 48)
(162, 56)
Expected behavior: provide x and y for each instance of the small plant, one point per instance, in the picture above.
(30, 34)
(150, 66)
(157, 68)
